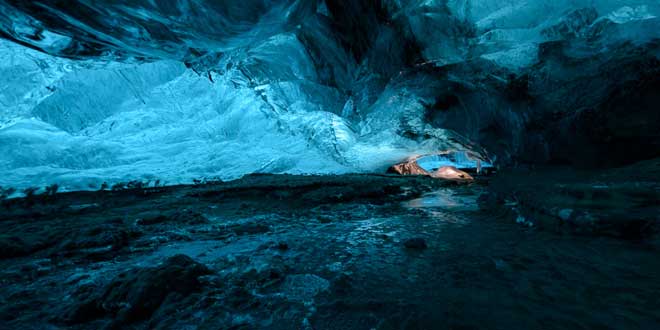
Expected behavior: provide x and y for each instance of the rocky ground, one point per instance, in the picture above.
(544, 248)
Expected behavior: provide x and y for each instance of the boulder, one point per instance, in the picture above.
(415, 243)
(452, 173)
(135, 295)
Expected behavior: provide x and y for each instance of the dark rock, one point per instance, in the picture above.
(250, 229)
(618, 202)
(490, 199)
(241, 298)
(416, 243)
(152, 220)
(135, 295)
(342, 284)
(191, 218)
(98, 243)
(12, 247)
(325, 219)
(181, 217)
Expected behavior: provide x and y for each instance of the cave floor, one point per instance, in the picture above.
(315, 252)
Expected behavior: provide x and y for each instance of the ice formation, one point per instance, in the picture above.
(456, 159)
(110, 91)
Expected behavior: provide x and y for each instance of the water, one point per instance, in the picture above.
(282, 263)
(480, 270)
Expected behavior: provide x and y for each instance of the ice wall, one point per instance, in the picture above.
(110, 91)
(82, 123)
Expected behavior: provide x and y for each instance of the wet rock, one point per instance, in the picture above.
(181, 217)
(98, 243)
(191, 218)
(342, 284)
(77, 278)
(135, 295)
(416, 243)
(325, 219)
(490, 200)
(240, 298)
(618, 202)
(12, 247)
(152, 220)
(262, 278)
(249, 229)
(565, 214)
(35, 269)
(303, 287)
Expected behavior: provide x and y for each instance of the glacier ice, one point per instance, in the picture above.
(97, 92)
(159, 120)
(460, 160)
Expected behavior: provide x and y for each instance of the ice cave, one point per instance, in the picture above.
(329, 164)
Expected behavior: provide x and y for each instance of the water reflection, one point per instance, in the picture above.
(446, 199)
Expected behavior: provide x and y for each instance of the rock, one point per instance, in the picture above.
(12, 247)
(620, 202)
(490, 200)
(76, 278)
(303, 287)
(409, 167)
(416, 243)
(264, 277)
(451, 173)
(152, 220)
(191, 217)
(250, 229)
(565, 214)
(135, 295)
(342, 284)
(324, 219)
(180, 217)
(97, 243)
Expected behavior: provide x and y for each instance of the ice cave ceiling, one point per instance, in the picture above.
(118, 90)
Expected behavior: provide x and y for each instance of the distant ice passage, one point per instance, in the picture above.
(190, 89)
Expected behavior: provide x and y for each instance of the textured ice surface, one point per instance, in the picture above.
(79, 125)
(95, 92)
